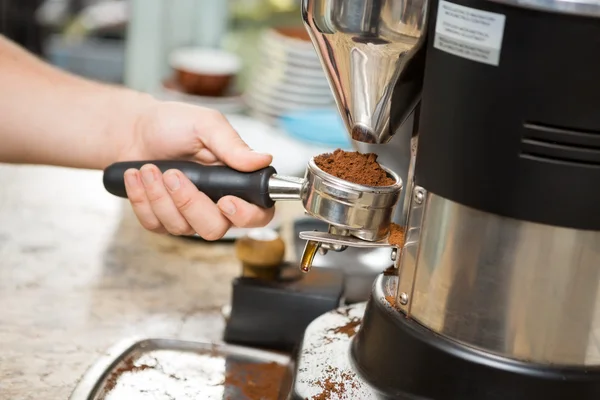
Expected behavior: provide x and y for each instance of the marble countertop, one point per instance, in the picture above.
(78, 274)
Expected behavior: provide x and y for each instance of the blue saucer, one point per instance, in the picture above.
(320, 126)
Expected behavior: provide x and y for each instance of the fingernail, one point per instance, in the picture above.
(227, 207)
(172, 181)
(131, 177)
(262, 154)
(147, 175)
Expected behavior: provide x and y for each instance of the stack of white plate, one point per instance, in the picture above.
(289, 76)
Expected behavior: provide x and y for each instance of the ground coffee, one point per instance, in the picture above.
(391, 300)
(257, 381)
(128, 366)
(349, 329)
(396, 237)
(337, 384)
(354, 167)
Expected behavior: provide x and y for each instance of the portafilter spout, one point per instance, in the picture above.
(372, 54)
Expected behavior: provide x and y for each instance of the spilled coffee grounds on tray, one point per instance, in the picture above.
(128, 366)
(247, 380)
(349, 329)
(396, 237)
(337, 383)
(355, 167)
(256, 381)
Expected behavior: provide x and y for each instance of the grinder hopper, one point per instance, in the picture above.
(371, 51)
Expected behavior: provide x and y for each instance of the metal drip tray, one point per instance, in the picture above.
(167, 369)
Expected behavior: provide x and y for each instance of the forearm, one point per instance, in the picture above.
(50, 117)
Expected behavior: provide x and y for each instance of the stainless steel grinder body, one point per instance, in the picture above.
(507, 258)
(502, 257)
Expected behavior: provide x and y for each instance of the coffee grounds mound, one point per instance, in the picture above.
(257, 381)
(355, 167)
(396, 237)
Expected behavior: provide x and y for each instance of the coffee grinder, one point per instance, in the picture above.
(496, 290)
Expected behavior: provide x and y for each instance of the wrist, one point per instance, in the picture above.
(123, 129)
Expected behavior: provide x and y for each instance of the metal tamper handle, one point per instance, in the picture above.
(262, 187)
(261, 252)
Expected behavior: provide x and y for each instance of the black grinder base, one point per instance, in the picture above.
(393, 357)
(273, 314)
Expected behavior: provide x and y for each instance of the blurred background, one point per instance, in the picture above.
(250, 59)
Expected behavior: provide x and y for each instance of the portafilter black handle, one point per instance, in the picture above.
(214, 181)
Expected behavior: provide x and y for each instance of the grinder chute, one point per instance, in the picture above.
(371, 51)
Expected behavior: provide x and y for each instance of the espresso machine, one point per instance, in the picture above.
(494, 293)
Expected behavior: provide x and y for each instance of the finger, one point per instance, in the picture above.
(199, 210)
(140, 203)
(220, 137)
(243, 214)
(162, 205)
(205, 156)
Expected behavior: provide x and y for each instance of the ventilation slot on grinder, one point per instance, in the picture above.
(553, 144)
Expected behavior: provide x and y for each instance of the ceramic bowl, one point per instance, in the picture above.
(227, 103)
(297, 35)
(204, 72)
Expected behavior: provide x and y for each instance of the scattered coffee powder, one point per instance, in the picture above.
(391, 300)
(349, 329)
(396, 237)
(329, 388)
(354, 167)
(254, 381)
(128, 366)
(257, 381)
(335, 383)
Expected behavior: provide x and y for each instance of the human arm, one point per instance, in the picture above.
(50, 117)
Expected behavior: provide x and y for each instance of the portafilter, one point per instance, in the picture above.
(358, 215)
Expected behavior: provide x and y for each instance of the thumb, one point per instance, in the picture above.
(225, 143)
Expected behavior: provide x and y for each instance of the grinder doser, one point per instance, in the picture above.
(498, 280)
(370, 51)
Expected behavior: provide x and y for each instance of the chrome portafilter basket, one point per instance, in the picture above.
(355, 213)
(358, 215)
(361, 211)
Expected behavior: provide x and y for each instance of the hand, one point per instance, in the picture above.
(169, 202)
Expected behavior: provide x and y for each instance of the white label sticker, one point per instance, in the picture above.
(469, 33)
